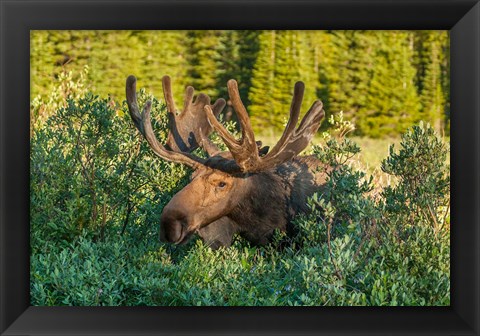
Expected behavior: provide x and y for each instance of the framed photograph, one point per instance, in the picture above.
(137, 199)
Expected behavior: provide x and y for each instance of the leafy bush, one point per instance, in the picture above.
(423, 192)
(97, 193)
(91, 171)
(388, 250)
(67, 86)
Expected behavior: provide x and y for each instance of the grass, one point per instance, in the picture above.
(374, 151)
(371, 156)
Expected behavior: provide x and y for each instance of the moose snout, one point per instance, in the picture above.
(172, 227)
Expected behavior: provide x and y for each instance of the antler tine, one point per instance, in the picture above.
(143, 123)
(248, 138)
(292, 142)
(206, 143)
(245, 150)
(313, 117)
(187, 101)
(159, 149)
(232, 143)
(299, 138)
(190, 128)
(297, 99)
(131, 90)
(167, 93)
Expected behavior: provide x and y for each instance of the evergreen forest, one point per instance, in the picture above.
(383, 81)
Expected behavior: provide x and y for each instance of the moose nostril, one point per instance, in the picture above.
(175, 232)
(163, 238)
(171, 231)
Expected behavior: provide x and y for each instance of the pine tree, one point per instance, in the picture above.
(248, 48)
(113, 56)
(165, 54)
(42, 62)
(284, 58)
(306, 67)
(227, 61)
(430, 47)
(392, 103)
(263, 74)
(345, 70)
(203, 55)
(382, 80)
(294, 63)
(286, 73)
(228, 67)
(53, 52)
(445, 66)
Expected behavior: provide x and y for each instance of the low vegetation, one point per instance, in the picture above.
(97, 192)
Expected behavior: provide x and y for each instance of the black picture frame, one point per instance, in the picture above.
(17, 18)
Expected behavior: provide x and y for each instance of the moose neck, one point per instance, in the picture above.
(272, 198)
(263, 207)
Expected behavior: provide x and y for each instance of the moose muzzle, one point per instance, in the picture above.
(173, 227)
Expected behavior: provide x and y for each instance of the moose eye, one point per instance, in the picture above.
(221, 184)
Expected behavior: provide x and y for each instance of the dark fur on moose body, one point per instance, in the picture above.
(250, 190)
(275, 197)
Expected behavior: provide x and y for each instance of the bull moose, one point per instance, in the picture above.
(248, 190)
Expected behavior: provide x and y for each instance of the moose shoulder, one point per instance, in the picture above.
(250, 190)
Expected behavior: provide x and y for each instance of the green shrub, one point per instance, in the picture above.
(97, 193)
(91, 171)
(423, 191)
(384, 250)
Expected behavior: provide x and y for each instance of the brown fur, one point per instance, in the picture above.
(252, 205)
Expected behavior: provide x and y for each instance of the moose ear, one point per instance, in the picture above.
(263, 151)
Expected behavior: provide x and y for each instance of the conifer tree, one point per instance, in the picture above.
(203, 55)
(294, 62)
(391, 103)
(445, 66)
(345, 70)
(248, 47)
(382, 80)
(237, 54)
(431, 59)
(285, 74)
(218, 56)
(53, 52)
(263, 75)
(227, 62)
(114, 55)
(284, 58)
(165, 54)
(322, 49)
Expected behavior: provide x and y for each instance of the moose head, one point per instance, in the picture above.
(249, 189)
